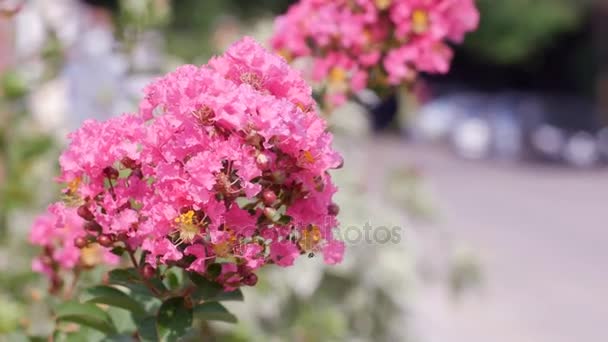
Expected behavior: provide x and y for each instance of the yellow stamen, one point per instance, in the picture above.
(285, 54)
(309, 157)
(383, 4)
(337, 75)
(187, 228)
(74, 184)
(302, 107)
(420, 21)
(310, 238)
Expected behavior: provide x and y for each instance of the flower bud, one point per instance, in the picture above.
(333, 209)
(80, 242)
(263, 161)
(269, 197)
(129, 163)
(111, 172)
(85, 213)
(270, 213)
(148, 271)
(92, 227)
(105, 241)
(250, 280)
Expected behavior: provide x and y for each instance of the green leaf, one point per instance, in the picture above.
(213, 311)
(174, 279)
(129, 276)
(124, 320)
(285, 220)
(83, 334)
(174, 319)
(118, 250)
(123, 276)
(113, 297)
(146, 329)
(87, 314)
(209, 291)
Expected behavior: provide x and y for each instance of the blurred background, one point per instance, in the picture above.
(495, 174)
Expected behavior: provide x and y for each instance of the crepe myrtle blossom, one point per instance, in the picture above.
(224, 164)
(358, 44)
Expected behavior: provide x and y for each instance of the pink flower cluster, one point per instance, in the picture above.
(225, 164)
(357, 44)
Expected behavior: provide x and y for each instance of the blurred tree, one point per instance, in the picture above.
(513, 31)
(193, 22)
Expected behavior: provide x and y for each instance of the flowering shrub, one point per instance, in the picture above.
(358, 44)
(223, 170)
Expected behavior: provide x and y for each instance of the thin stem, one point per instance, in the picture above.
(111, 188)
(141, 274)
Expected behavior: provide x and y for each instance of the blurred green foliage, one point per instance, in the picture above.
(193, 21)
(515, 30)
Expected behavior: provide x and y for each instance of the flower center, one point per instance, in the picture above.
(310, 238)
(383, 4)
(252, 79)
(308, 157)
(187, 228)
(420, 21)
(337, 75)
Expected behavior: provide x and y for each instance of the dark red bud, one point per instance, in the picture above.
(80, 242)
(105, 241)
(269, 197)
(333, 209)
(92, 227)
(111, 172)
(148, 271)
(250, 279)
(85, 213)
(129, 163)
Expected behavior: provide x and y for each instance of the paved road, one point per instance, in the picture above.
(542, 236)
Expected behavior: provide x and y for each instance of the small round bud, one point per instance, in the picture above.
(84, 212)
(270, 213)
(333, 209)
(148, 271)
(129, 163)
(263, 161)
(80, 242)
(269, 197)
(111, 172)
(105, 241)
(250, 280)
(92, 227)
